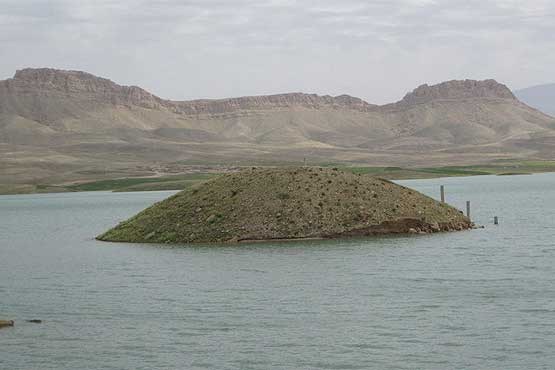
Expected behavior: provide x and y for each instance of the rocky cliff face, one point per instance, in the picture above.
(458, 90)
(87, 86)
(279, 101)
(78, 84)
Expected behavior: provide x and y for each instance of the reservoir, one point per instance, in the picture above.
(480, 299)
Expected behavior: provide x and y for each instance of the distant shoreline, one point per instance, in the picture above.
(185, 180)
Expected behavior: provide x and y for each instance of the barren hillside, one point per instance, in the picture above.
(60, 126)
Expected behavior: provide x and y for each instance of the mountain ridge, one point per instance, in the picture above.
(58, 126)
(70, 81)
(541, 97)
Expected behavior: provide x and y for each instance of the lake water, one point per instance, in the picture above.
(481, 299)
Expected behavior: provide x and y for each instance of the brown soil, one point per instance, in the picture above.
(288, 203)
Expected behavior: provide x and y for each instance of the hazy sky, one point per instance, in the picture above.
(376, 50)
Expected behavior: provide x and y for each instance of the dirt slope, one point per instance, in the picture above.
(287, 203)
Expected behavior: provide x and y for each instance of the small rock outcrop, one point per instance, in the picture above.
(288, 203)
(6, 323)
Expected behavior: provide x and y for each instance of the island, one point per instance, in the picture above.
(259, 204)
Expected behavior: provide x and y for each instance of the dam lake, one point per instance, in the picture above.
(480, 299)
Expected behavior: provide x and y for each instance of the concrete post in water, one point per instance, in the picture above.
(468, 208)
(496, 220)
(442, 190)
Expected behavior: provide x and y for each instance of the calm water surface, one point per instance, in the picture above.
(482, 299)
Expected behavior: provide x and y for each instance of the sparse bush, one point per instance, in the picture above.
(283, 196)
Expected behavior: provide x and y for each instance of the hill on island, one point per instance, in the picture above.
(287, 203)
(61, 126)
(541, 97)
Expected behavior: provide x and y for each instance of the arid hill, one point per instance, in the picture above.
(287, 203)
(58, 126)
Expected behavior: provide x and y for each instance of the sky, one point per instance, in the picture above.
(376, 50)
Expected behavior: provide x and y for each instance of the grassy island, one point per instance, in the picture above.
(287, 203)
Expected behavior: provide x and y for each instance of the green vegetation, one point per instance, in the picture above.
(501, 167)
(12, 189)
(287, 203)
(183, 181)
(142, 183)
(175, 182)
(514, 173)
(399, 173)
(162, 185)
